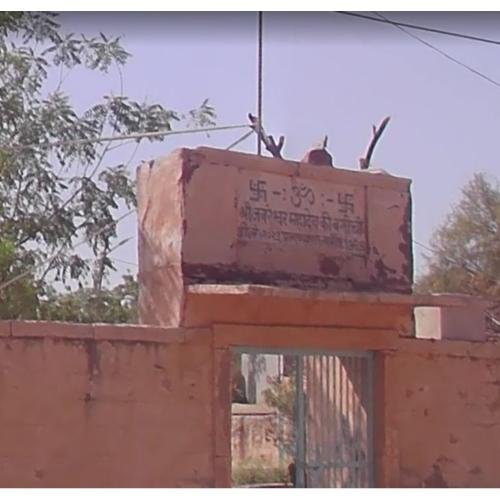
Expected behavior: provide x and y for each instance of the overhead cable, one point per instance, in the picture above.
(442, 52)
(139, 135)
(421, 28)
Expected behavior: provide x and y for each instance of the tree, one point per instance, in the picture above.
(58, 187)
(465, 254)
(280, 395)
(115, 305)
(8, 21)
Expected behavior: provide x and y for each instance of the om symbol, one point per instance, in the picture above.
(300, 194)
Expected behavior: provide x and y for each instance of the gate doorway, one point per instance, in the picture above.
(302, 418)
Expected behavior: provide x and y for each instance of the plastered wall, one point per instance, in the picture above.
(104, 406)
(441, 419)
(126, 406)
(255, 432)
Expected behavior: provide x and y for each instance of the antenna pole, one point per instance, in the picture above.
(259, 83)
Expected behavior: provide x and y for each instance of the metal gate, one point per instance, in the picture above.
(332, 416)
(334, 419)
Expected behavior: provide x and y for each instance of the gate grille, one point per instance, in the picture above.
(332, 416)
(333, 408)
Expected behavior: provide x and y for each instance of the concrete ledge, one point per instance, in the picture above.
(52, 329)
(137, 333)
(438, 299)
(98, 331)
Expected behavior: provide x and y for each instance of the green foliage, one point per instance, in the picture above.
(53, 197)
(9, 20)
(280, 395)
(20, 299)
(258, 472)
(118, 305)
(466, 248)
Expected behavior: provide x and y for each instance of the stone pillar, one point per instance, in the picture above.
(209, 216)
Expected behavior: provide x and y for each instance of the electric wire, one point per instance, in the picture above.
(128, 262)
(53, 257)
(141, 135)
(421, 28)
(440, 51)
(240, 140)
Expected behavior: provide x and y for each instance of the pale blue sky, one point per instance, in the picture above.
(323, 74)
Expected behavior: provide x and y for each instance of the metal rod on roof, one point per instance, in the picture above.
(259, 81)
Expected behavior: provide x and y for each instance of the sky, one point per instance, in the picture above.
(323, 73)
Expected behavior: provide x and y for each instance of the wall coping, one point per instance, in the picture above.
(415, 300)
(27, 329)
(21, 329)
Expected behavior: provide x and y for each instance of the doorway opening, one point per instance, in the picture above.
(301, 418)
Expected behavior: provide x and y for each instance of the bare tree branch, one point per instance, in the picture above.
(364, 163)
(267, 140)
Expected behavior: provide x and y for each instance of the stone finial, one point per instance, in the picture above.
(319, 155)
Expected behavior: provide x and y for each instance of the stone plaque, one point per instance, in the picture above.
(217, 216)
(292, 211)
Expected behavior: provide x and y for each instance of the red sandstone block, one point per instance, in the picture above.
(138, 333)
(5, 328)
(52, 329)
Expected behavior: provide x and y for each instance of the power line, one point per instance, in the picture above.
(125, 261)
(448, 259)
(442, 52)
(429, 249)
(401, 26)
(238, 141)
(141, 135)
(464, 265)
(421, 28)
(52, 259)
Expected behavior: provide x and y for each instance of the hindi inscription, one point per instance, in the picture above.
(288, 210)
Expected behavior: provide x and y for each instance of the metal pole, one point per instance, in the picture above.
(300, 429)
(370, 417)
(259, 82)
